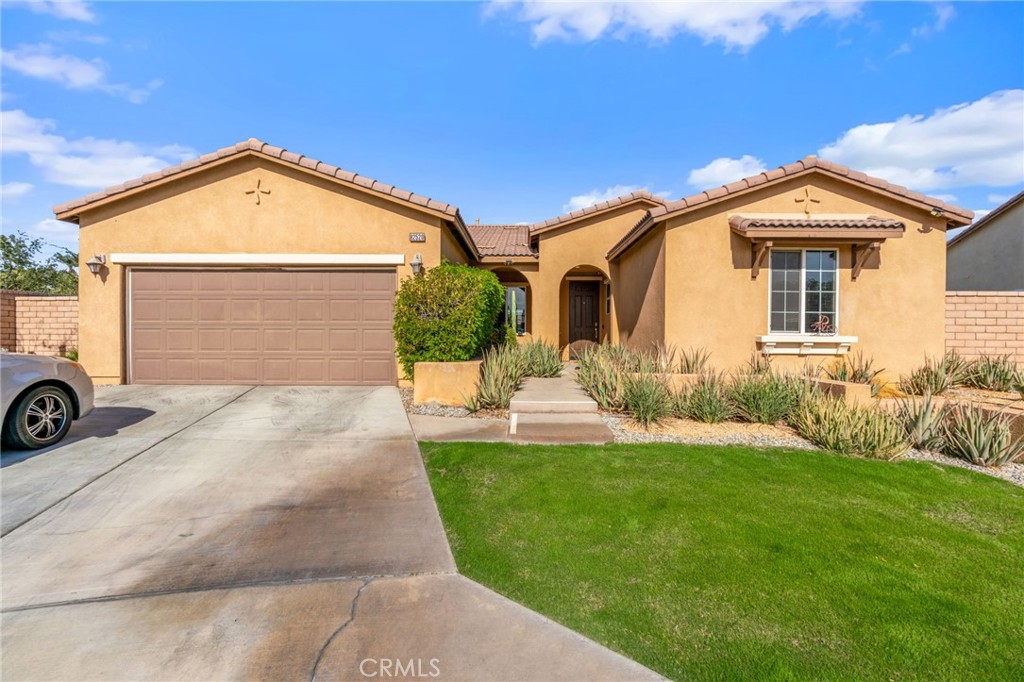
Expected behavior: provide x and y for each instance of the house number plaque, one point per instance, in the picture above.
(417, 236)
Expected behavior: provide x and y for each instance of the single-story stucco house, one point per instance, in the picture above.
(258, 265)
(989, 255)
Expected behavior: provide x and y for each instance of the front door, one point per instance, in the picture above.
(583, 311)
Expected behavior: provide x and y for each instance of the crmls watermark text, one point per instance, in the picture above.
(396, 667)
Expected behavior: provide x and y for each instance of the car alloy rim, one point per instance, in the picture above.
(45, 417)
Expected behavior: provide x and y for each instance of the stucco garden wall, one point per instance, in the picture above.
(38, 323)
(985, 323)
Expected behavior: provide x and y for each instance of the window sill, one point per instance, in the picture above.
(805, 344)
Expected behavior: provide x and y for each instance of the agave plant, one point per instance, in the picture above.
(981, 436)
(923, 421)
(765, 398)
(646, 397)
(850, 429)
(705, 401)
(994, 373)
(694, 360)
(541, 359)
(501, 372)
(936, 376)
(855, 368)
(759, 363)
(599, 375)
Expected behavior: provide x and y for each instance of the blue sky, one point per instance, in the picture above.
(513, 111)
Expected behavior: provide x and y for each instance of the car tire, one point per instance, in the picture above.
(41, 418)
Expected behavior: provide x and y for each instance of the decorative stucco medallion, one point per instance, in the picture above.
(807, 200)
(258, 191)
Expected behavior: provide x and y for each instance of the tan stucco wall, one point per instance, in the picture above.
(209, 212)
(991, 259)
(638, 289)
(896, 307)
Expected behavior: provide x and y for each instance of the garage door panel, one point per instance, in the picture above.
(262, 326)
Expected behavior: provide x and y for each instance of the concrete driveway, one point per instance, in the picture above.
(252, 533)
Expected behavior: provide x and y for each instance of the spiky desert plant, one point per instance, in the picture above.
(705, 401)
(646, 397)
(981, 436)
(855, 368)
(849, 429)
(541, 359)
(936, 376)
(759, 363)
(694, 360)
(998, 373)
(923, 421)
(501, 373)
(599, 375)
(764, 398)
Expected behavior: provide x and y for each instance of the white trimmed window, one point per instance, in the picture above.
(803, 292)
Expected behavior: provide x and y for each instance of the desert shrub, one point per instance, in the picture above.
(646, 397)
(446, 314)
(510, 338)
(849, 429)
(705, 401)
(694, 360)
(981, 436)
(936, 376)
(759, 363)
(993, 373)
(541, 359)
(765, 398)
(923, 421)
(599, 375)
(501, 373)
(854, 368)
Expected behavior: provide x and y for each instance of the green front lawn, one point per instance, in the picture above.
(739, 563)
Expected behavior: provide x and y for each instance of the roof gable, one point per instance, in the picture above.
(806, 166)
(637, 197)
(995, 213)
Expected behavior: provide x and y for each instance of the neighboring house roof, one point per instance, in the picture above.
(996, 212)
(502, 240)
(656, 215)
(70, 211)
(626, 199)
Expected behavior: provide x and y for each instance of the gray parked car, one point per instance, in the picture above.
(41, 396)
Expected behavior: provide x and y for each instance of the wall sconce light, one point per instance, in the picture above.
(417, 264)
(96, 263)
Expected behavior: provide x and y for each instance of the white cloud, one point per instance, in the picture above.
(724, 170)
(55, 229)
(596, 196)
(10, 191)
(974, 143)
(77, 37)
(62, 9)
(943, 14)
(74, 73)
(86, 161)
(980, 213)
(948, 198)
(737, 25)
(998, 199)
(904, 48)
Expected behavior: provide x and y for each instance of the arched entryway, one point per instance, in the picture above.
(584, 310)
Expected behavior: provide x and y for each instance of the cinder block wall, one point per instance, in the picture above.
(38, 323)
(985, 323)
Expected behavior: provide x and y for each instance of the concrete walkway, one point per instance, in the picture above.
(253, 533)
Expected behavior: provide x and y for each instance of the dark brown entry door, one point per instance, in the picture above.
(583, 312)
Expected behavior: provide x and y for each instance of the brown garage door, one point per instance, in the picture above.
(262, 327)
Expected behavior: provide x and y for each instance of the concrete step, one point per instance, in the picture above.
(585, 428)
(560, 395)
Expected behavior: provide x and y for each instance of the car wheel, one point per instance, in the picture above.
(41, 418)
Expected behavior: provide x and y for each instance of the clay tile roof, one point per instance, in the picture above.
(745, 222)
(954, 214)
(639, 195)
(254, 146)
(502, 240)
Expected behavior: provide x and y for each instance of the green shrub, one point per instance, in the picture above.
(759, 363)
(599, 375)
(923, 421)
(855, 368)
(705, 401)
(646, 397)
(501, 373)
(542, 359)
(446, 314)
(936, 376)
(850, 430)
(511, 339)
(765, 398)
(694, 361)
(995, 374)
(71, 354)
(981, 436)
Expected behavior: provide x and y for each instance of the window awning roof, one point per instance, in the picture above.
(844, 226)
